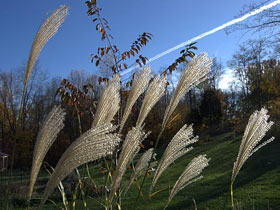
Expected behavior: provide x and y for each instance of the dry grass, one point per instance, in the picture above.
(195, 73)
(190, 175)
(46, 137)
(44, 34)
(94, 144)
(139, 84)
(129, 149)
(175, 149)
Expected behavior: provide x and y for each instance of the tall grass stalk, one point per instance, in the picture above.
(175, 149)
(257, 127)
(139, 84)
(109, 102)
(195, 72)
(129, 149)
(140, 167)
(155, 91)
(44, 34)
(46, 137)
(190, 175)
(60, 187)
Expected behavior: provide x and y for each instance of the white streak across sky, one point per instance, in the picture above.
(221, 27)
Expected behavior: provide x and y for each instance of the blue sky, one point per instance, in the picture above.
(170, 22)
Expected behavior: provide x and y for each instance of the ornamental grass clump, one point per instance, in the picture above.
(256, 129)
(101, 141)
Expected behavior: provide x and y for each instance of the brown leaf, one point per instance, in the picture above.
(139, 63)
(97, 63)
(107, 49)
(123, 56)
(135, 49)
(143, 59)
(97, 27)
(132, 53)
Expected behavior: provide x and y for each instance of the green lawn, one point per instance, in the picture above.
(257, 186)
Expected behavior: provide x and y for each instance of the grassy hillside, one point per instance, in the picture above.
(257, 186)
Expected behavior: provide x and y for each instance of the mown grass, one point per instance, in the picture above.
(257, 186)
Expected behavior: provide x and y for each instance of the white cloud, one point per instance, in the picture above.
(226, 80)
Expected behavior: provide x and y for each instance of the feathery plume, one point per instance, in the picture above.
(141, 165)
(129, 149)
(255, 130)
(154, 93)
(46, 31)
(47, 135)
(109, 102)
(92, 145)
(139, 84)
(190, 175)
(175, 149)
(195, 73)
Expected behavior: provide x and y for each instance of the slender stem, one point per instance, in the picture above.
(166, 188)
(77, 171)
(231, 194)
(81, 187)
(109, 176)
(108, 39)
(75, 197)
(138, 186)
(79, 121)
(166, 205)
